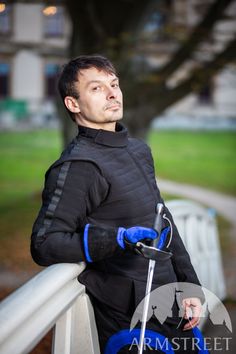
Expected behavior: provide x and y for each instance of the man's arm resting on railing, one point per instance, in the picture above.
(57, 236)
(92, 243)
(68, 196)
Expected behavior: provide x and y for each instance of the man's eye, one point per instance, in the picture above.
(96, 88)
(115, 85)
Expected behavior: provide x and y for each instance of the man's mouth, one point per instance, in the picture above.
(116, 105)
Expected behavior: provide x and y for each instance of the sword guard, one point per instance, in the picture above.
(148, 252)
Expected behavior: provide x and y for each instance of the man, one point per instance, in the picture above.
(100, 194)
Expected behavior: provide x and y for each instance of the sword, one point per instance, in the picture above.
(157, 253)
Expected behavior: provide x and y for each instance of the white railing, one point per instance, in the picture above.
(198, 229)
(55, 299)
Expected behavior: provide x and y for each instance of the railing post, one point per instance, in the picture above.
(61, 343)
(75, 332)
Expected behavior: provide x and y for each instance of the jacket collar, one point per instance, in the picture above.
(119, 138)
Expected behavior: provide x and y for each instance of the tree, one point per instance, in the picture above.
(112, 28)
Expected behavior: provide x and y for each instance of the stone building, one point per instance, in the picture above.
(34, 37)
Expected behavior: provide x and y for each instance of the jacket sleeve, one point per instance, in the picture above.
(72, 191)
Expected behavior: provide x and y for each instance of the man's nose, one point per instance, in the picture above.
(111, 94)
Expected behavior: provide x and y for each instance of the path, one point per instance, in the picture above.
(222, 203)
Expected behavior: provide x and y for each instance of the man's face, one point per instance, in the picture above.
(100, 99)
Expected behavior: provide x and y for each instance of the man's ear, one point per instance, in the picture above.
(72, 104)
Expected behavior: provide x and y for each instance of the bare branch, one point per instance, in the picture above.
(199, 34)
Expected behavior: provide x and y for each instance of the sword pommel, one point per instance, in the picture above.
(160, 208)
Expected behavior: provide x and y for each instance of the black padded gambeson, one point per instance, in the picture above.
(105, 179)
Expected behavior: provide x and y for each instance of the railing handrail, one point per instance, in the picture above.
(36, 297)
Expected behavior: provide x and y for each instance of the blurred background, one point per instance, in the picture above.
(177, 65)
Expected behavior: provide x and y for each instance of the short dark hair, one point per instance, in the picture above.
(70, 73)
(71, 70)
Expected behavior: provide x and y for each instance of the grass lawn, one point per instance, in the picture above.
(24, 158)
(206, 159)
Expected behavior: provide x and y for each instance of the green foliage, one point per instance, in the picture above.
(206, 159)
(24, 158)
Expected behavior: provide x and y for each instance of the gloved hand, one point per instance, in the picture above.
(134, 234)
(102, 242)
(131, 238)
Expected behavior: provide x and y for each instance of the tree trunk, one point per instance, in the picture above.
(110, 28)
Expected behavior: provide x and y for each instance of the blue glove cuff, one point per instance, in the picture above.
(86, 248)
(120, 237)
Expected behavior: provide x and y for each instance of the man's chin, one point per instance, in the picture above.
(115, 118)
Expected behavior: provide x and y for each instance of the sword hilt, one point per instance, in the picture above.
(154, 249)
(151, 252)
(158, 223)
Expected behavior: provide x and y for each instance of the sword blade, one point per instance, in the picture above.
(151, 268)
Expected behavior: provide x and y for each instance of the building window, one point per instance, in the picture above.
(4, 79)
(5, 18)
(53, 21)
(51, 76)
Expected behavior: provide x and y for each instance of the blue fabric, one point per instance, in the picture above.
(162, 241)
(127, 337)
(135, 234)
(120, 237)
(86, 249)
(198, 334)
